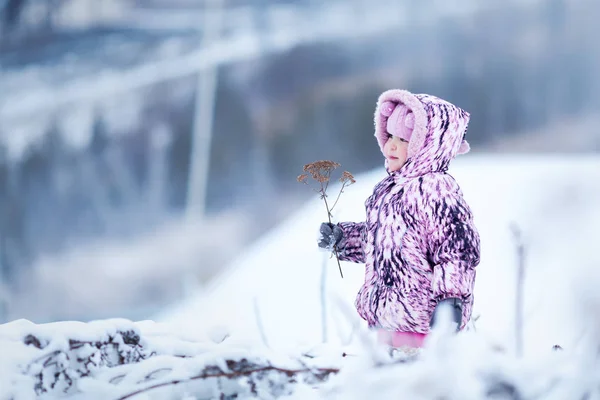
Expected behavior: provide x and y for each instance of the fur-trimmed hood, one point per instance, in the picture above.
(438, 135)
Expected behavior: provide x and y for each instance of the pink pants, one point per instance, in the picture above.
(400, 339)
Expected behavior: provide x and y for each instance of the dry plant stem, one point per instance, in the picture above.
(259, 324)
(338, 196)
(335, 250)
(237, 374)
(520, 285)
(324, 300)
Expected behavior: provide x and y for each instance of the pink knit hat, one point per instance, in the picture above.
(401, 120)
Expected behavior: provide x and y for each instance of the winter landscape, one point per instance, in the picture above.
(155, 242)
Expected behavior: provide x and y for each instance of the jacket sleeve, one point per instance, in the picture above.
(352, 246)
(452, 241)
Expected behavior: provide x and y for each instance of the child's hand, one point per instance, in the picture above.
(329, 235)
(455, 307)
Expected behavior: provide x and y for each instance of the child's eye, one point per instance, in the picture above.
(389, 135)
(403, 140)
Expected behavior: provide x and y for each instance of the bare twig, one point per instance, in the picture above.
(337, 318)
(324, 299)
(347, 179)
(519, 304)
(335, 249)
(475, 322)
(238, 369)
(337, 198)
(377, 354)
(259, 323)
(324, 197)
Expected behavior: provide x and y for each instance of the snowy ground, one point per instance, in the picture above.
(119, 359)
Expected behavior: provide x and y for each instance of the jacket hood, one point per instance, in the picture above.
(438, 135)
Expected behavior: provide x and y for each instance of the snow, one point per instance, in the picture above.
(451, 366)
(552, 199)
(265, 312)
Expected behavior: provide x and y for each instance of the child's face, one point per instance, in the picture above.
(395, 150)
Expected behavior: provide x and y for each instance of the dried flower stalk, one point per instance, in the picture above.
(321, 171)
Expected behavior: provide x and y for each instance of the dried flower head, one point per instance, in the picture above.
(302, 178)
(321, 170)
(347, 178)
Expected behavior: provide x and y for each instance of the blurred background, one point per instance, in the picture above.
(144, 144)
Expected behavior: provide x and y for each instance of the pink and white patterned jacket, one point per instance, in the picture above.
(418, 243)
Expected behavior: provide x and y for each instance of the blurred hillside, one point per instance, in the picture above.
(107, 170)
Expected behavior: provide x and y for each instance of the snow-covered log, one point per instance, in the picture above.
(120, 359)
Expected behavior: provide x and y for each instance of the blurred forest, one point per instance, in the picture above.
(118, 168)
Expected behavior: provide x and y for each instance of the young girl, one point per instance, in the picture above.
(419, 244)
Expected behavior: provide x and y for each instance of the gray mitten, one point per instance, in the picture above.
(329, 235)
(455, 306)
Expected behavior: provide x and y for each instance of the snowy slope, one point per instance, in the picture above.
(553, 199)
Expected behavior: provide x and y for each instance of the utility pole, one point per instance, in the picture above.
(206, 87)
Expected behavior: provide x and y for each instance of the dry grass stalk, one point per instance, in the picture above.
(321, 171)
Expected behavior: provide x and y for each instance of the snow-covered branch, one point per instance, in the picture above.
(120, 359)
(253, 375)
